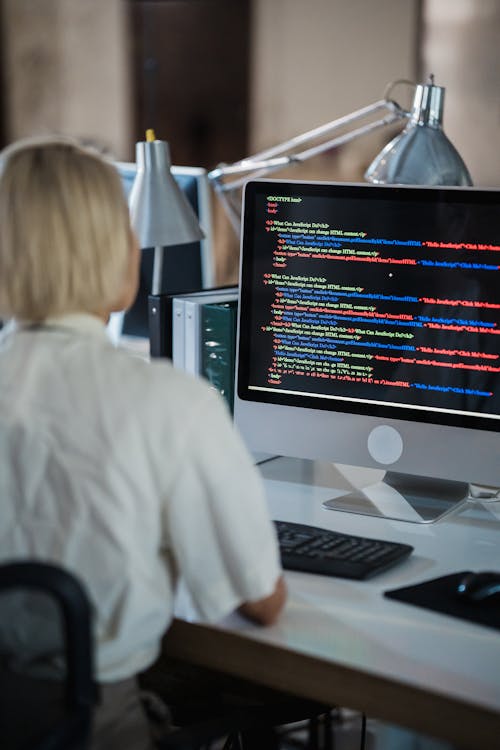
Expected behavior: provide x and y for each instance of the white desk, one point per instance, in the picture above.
(342, 642)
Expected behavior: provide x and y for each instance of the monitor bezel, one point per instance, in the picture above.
(388, 412)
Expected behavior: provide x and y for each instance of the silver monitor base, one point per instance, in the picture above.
(404, 497)
(372, 492)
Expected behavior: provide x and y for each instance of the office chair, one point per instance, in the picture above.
(240, 727)
(66, 726)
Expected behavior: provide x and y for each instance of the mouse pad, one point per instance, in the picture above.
(439, 595)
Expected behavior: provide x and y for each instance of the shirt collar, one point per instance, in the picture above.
(73, 322)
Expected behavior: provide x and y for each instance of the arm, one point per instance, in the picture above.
(266, 611)
(216, 520)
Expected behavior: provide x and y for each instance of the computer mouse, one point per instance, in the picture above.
(479, 587)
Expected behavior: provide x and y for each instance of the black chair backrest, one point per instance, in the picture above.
(73, 728)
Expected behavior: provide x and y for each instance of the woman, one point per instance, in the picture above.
(128, 474)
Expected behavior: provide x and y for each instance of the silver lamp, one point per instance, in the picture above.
(160, 213)
(421, 154)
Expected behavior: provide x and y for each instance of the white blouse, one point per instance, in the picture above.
(132, 476)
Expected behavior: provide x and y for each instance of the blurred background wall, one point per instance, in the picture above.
(66, 69)
(220, 79)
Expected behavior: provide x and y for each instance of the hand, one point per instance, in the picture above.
(267, 610)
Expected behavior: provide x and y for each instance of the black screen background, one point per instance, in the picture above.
(402, 215)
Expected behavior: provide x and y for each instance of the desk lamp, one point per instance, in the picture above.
(420, 155)
(160, 213)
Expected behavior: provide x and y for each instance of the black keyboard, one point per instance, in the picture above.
(315, 550)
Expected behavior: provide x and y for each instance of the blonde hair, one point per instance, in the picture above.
(65, 233)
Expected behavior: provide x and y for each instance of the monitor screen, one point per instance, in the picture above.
(369, 328)
(185, 267)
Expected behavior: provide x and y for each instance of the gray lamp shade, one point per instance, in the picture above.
(160, 213)
(421, 154)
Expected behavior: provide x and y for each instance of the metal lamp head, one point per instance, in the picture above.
(160, 213)
(421, 154)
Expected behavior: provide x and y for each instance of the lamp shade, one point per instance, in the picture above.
(160, 213)
(421, 154)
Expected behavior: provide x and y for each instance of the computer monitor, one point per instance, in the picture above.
(185, 267)
(369, 335)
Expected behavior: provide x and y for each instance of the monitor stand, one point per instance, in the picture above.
(404, 497)
(369, 492)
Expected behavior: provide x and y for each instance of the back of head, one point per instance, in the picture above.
(64, 230)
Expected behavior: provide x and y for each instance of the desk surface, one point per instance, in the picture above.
(343, 643)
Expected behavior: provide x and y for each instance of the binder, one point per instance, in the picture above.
(178, 315)
(160, 318)
(160, 322)
(190, 348)
(218, 346)
(160, 325)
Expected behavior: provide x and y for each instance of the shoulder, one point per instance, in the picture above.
(159, 374)
(158, 387)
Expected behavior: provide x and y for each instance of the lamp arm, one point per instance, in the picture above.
(267, 161)
(258, 168)
(327, 128)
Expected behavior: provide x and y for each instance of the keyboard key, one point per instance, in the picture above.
(315, 550)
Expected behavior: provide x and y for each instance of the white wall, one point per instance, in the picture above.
(461, 46)
(66, 70)
(316, 60)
